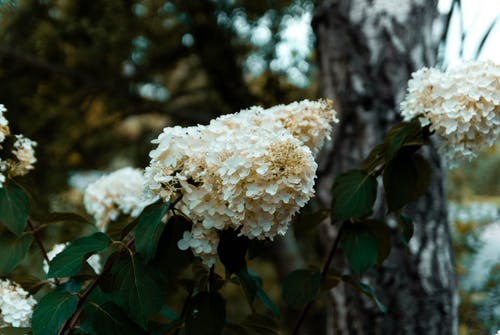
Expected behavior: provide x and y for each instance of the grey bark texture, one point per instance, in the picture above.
(367, 51)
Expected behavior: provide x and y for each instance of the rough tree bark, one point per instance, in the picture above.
(367, 51)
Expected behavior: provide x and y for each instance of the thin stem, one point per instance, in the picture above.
(70, 325)
(40, 245)
(184, 310)
(324, 273)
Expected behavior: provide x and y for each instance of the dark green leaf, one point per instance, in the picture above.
(371, 293)
(366, 290)
(406, 178)
(401, 135)
(150, 229)
(14, 208)
(138, 288)
(232, 249)
(375, 158)
(360, 247)
(14, 331)
(169, 259)
(168, 314)
(109, 319)
(254, 324)
(383, 236)
(206, 314)
(70, 260)
(405, 224)
(13, 249)
(305, 222)
(264, 298)
(353, 195)
(301, 287)
(51, 312)
(252, 286)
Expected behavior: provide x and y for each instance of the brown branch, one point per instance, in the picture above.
(40, 245)
(71, 323)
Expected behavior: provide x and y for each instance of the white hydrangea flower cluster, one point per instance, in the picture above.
(23, 151)
(16, 305)
(308, 121)
(245, 171)
(462, 105)
(114, 194)
(94, 261)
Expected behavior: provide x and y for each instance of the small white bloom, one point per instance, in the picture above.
(115, 193)
(24, 151)
(16, 305)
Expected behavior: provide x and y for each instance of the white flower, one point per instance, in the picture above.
(25, 154)
(4, 124)
(308, 121)
(251, 171)
(16, 305)
(115, 193)
(203, 242)
(461, 105)
(23, 151)
(94, 261)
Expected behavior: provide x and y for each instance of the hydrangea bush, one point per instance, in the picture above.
(208, 192)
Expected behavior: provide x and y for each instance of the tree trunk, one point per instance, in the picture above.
(367, 51)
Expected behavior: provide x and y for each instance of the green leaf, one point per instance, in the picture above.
(366, 290)
(375, 158)
(70, 260)
(360, 247)
(138, 288)
(402, 135)
(254, 324)
(52, 311)
(169, 259)
(371, 293)
(168, 314)
(406, 178)
(305, 222)
(232, 249)
(109, 319)
(252, 286)
(13, 250)
(383, 235)
(353, 195)
(14, 331)
(149, 230)
(406, 228)
(14, 208)
(206, 314)
(301, 287)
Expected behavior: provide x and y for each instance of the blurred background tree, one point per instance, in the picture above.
(94, 81)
